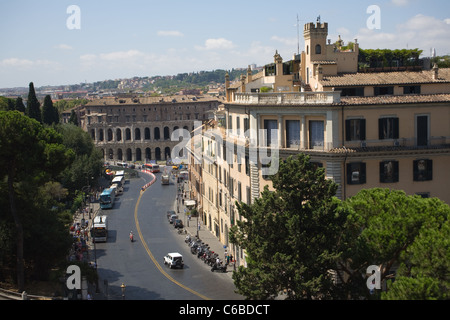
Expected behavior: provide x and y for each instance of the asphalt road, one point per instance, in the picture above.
(139, 265)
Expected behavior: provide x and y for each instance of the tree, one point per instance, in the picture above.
(290, 235)
(19, 105)
(50, 114)
(73, 118)
(33, 105)
(88, 161)
(382, 228)
(424, 272)
(31, 155)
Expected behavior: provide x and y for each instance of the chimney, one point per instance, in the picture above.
(435, 72)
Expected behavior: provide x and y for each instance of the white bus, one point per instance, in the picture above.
(119, 173)
(99, 231)
(118, 181)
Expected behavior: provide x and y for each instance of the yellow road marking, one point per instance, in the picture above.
(138, 229)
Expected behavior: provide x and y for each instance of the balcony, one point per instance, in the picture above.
(289, 98)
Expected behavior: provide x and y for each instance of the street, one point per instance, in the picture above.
(139, 265)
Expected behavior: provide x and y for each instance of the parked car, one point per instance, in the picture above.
(173, 218)
(178, 223)
(170, 213)
(174, 260)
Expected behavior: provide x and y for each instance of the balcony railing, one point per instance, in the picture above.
(289, 98)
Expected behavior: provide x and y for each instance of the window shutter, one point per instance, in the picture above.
(380, 129)
(362, 129)
(415, 170)
(396, 128)
(362, 173)
(429, 169)
(382, 172)
(349, 173)
(347, 130)
(396, 171)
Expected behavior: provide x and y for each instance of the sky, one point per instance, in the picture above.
(48, 43)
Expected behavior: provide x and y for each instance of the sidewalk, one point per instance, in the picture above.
(203, 233)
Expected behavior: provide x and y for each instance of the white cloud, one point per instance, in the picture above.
(401, 3)
(169, 33)
(121, 55)
(217, 44)
(28, 64)
(63, 47)
(420, 31)
(285, 41)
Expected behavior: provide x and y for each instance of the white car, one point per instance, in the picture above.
(174, 260)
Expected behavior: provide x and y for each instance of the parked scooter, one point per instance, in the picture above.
(219, 267)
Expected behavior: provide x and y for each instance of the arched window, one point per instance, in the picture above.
(119, 135)
(318, 49)
(156, 134)
(158, 154)
(147, 134)
(137, 134)
(128, 134)
(166, 133)
(167, 153)
(138, 154)
(119, 154)
(110, 135)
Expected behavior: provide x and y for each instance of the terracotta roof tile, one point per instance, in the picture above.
(386, 78)
(380, 100)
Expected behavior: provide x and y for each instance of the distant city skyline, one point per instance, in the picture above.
(50, 43)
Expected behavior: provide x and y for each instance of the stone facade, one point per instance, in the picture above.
(140, 129)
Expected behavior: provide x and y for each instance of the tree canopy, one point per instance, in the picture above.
(302, 241)
(290, 235)
(31, 155)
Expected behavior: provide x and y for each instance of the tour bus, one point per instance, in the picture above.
(119, 174)
(118, 182)
(152, 167)
(99, 231)
(107, 198)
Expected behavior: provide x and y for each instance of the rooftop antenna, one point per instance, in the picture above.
(298, 35)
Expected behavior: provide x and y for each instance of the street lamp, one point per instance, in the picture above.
(123, 286)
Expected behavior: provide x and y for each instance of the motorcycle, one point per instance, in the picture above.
(131, 237)
(219, 267)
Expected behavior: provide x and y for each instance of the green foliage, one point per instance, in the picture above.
(33, 106)
(31, 155)
(290, 235)
(377, 58)
(73, 118)
(382, 228)
(442, 62)
(50, 114)
(87, 163)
